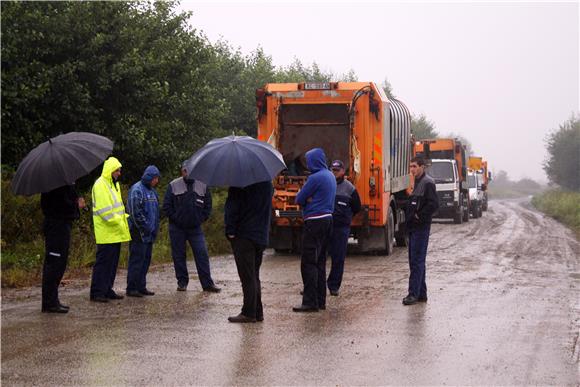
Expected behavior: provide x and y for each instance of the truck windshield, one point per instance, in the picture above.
(471, 181)
(307, 126)
(441, 172)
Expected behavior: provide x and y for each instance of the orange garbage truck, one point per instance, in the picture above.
(479, 165)
(449, 149)
(354, 122)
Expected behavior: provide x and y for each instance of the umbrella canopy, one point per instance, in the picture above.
(60, 161)
(236, 161)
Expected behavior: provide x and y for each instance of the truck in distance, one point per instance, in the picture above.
(447, 182)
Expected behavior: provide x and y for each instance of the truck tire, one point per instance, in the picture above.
(484, 206)
(390, 233)
(466, 214)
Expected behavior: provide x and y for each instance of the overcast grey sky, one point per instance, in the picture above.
(501, 74)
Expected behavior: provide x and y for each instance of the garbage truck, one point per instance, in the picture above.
(351, 121)
(449, 149)
(479, 165)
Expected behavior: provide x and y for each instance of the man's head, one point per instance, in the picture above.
(337, 168)
(417, 166)
(116, 174)
(151, 176)
(184, 169)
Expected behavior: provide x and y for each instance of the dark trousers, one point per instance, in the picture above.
(315, 237)
(139, 261)
(105, 269)
(248, 256)
(196, 240)
(337, 251)
(418, 242)
(56, 244)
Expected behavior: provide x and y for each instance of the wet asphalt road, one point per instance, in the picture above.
(504, 308)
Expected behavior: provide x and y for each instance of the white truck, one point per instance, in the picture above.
(474, 182)
(448, 184)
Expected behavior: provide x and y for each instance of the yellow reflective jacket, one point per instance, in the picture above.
(109, 216)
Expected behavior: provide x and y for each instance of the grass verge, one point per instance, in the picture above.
(564, 206)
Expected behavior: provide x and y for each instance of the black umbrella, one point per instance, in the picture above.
(60, 161)
(235, 161)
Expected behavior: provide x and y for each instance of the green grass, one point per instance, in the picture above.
(22, 241)
(563, 206)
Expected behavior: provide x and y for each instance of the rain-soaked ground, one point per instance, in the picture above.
(504, 308)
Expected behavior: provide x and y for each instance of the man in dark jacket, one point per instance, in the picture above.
(187, 204)
(346, 204)
(423, 202)
(247, 221)
(143, 206)
(317, 200)
(60, 207)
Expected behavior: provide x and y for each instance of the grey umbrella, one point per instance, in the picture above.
(235, 161)
(60, 161)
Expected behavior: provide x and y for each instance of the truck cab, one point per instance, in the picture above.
(448, 184)
(474, 183)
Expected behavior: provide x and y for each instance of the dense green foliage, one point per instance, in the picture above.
(563, 206)
(563, 163)
(135, 72)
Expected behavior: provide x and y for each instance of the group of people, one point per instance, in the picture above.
(187, 204)
(328, 202)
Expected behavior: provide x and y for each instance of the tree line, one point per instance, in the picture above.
(135, 72)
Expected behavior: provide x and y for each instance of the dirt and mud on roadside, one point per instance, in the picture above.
(504, 308)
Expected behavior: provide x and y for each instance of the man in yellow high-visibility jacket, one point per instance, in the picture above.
(111, 229)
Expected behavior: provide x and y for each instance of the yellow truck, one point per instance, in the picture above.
(356, 123)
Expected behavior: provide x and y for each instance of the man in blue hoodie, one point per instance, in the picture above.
(317, 201)
(143, 208)
(187, 204)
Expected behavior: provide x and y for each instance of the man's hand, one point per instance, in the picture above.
(231, 236)
(81, 203)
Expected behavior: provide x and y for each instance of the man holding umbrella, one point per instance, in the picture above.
(111, 229)
(51, 169)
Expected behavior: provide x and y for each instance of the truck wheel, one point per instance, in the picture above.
(390, 233)
(484, 206)
(466, 214)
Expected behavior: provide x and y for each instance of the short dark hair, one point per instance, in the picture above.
(419, 160)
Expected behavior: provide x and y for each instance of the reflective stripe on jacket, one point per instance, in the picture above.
(109, 217)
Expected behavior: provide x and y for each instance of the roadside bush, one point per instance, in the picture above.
(563, 206)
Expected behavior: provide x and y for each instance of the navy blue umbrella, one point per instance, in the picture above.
(60, 161)
(235, 161)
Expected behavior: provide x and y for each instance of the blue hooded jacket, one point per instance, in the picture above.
(320, 187)
(143, 206)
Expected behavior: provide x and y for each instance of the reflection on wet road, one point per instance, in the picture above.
(504, 308)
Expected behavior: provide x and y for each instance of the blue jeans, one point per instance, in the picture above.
(418, 242)
(179, 237)
(105, 269)
(337, 251)
(139, 261)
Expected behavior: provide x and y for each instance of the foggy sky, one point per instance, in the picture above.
(501, 74)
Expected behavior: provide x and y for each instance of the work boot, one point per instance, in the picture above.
(147, 292)
(410, 300)
(422, 299)
(305, 309)
(240, 318)
(334, 293)
(99, 299)
(134, 293)
(181, 288)
(115, 296)
(212, 289)
(54, 309)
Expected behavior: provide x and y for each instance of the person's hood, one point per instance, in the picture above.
(150, 172)
(110, 166)
(316, 160)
